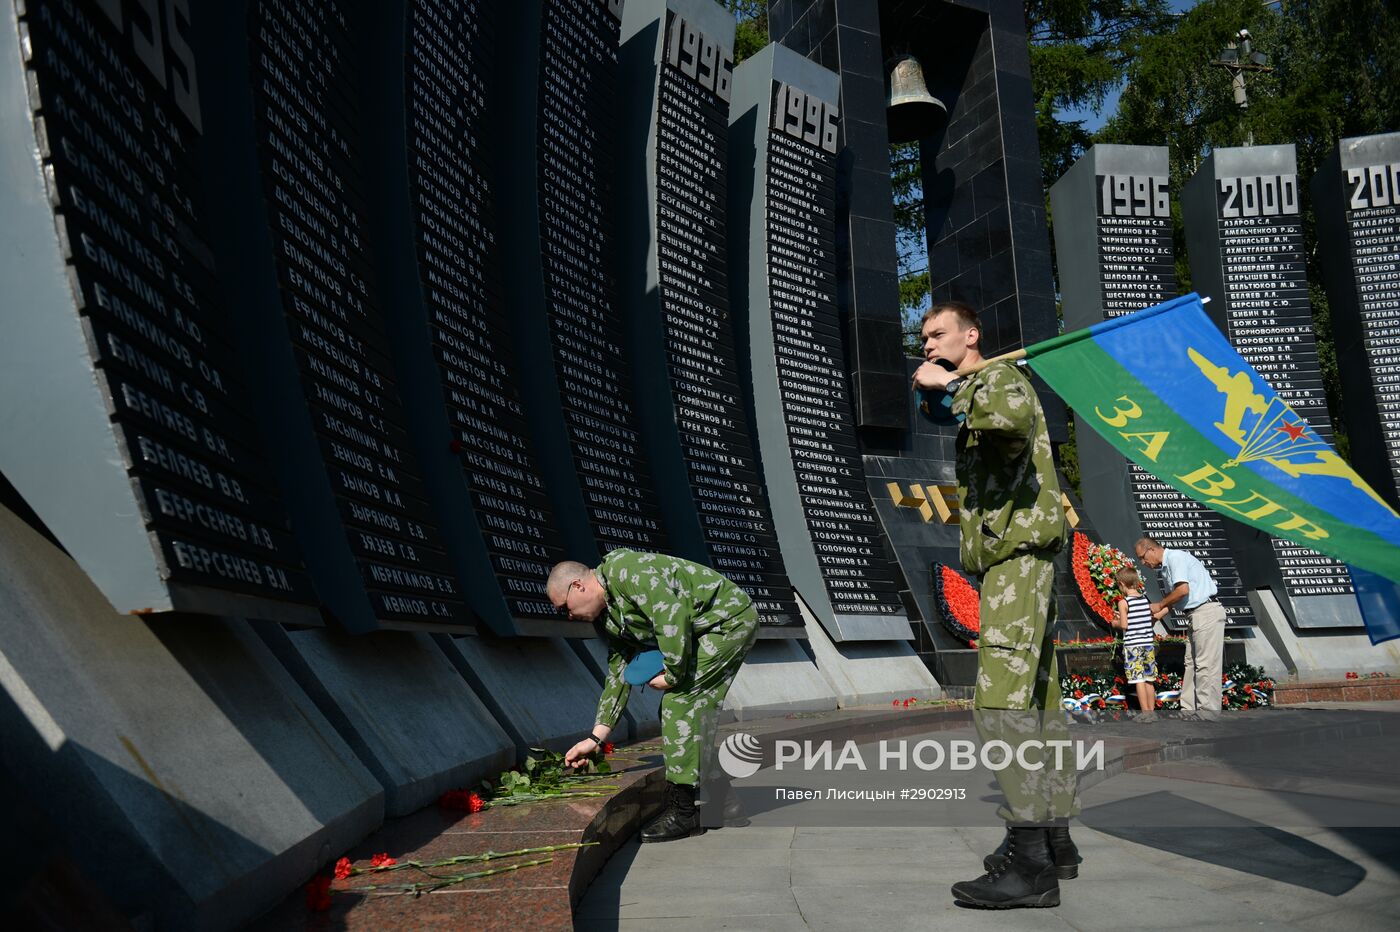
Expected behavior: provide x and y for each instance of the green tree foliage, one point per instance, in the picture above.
(906, 182)
(1079, 52)
(751, 33)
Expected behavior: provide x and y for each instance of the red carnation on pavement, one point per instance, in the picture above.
(461, 800)
(318, 894)
(343, 869)
(382, 859)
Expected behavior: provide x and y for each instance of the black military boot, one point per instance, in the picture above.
(722, 807)
(1024, 877)
(1062, 849)
(680, 818)
(733, 812)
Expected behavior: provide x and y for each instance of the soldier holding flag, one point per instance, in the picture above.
(1012, 525)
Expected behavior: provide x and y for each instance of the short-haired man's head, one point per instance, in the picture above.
(965, 314)
(950, 330)
(1128, 578)
(575, 592)
(1149, 551)
(562, 576)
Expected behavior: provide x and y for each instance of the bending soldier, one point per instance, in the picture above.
(702, 623)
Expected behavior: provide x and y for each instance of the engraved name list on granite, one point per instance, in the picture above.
(1137, 270)
(1356, 198)
(450, 59)
(692, 113)
(1373, 231)
(576, 142)
(119, 129)
(1270, 324)
(800, 201)
(307, 117)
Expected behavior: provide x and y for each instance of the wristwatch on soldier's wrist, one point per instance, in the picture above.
(953, 386)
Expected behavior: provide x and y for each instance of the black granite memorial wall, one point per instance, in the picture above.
(576, 141)
(452, 111)
(118, 124)
(843, 36)
(1244, 233)
(785, 124)
(682, 58)
(306, 77)
(1113, 237)
(1356, 198)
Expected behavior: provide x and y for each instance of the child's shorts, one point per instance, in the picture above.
(1139, 664)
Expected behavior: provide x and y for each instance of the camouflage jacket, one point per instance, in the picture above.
(1010, 497)
(657, 602)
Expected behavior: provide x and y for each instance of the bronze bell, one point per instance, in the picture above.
(911, 111)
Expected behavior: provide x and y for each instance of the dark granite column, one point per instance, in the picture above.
(844, 36)
(985, 204)
(783, 134)
(1113, 238)
(1356, 198)
(1244, 231)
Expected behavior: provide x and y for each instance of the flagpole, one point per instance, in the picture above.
(979, 366)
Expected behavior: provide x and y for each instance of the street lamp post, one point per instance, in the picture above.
(1237, 58)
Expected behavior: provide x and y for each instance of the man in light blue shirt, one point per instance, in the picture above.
(1191, 584)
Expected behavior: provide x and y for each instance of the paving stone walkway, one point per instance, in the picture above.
(1304, 838)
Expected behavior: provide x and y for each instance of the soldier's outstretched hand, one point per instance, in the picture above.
(577, 755)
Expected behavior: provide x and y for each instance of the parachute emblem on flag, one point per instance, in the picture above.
(1277, 433)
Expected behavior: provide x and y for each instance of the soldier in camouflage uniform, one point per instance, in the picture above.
(702, 623)
(1012, 524)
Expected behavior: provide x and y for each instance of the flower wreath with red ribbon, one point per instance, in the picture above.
(1095, 566)
(958, 603)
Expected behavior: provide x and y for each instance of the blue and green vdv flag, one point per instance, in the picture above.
(1166, 389)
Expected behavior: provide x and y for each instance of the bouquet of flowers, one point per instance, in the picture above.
(1104, 697)
(1095, 566)
(958, 603)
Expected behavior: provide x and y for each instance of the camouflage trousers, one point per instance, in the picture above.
(1017, 697)
(690, 710)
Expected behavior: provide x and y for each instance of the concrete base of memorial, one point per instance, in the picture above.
(537, 689)
(870, 672)
(402, 707)
(1259, 652)
(180, 768)
(777, 677)
(642, 718)
(1319, 654)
